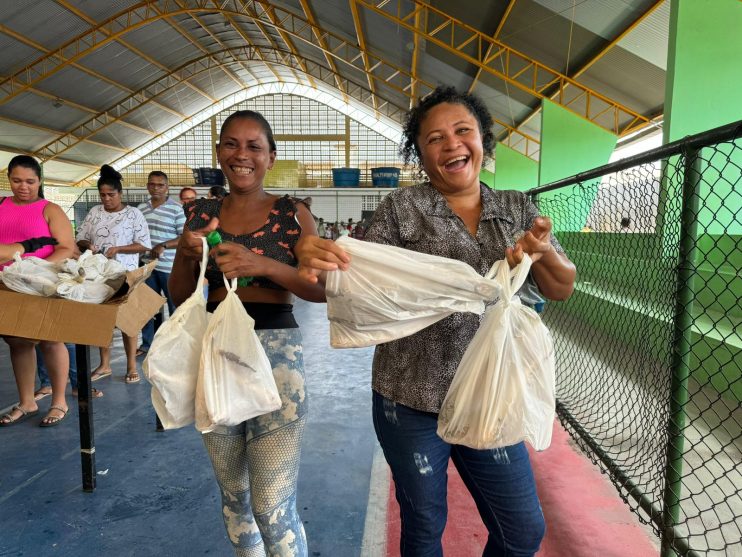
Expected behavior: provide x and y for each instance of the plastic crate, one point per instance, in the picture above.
(385, 177)
(346, 177)
(208, 176)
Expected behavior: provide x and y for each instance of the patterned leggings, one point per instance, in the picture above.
(257, 462)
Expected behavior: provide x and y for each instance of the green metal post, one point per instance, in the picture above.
(681, 348)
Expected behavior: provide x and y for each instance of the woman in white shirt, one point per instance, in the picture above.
(119, 232)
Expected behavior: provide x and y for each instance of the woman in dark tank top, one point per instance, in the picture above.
(259, 232)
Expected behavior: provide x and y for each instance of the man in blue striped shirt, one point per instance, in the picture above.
(165, 219)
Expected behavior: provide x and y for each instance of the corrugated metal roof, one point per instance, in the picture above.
(559, 33)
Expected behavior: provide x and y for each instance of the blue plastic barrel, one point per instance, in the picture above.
(346, 177)
(385, 177)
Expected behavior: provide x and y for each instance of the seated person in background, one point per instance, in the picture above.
(24, 216)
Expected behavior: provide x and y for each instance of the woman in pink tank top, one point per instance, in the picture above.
(26, 215)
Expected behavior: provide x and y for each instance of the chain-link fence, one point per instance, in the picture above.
(649, 348)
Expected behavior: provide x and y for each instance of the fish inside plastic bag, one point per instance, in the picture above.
(93, 278)
(390, 292)
(31, 275)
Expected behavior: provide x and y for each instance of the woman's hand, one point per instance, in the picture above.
(190, 245)
(111, 252)
(535, 242)
(235, 260)
(316, 254)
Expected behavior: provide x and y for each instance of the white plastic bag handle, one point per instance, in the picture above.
(230, 284)
(510, 280)
(204, 262)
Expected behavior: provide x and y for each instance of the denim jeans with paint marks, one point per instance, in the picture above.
(500, 481)
(257, 462)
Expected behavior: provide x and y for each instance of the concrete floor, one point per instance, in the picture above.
(155, 491)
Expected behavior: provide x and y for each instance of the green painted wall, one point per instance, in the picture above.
(571, 144)
(704, 58)
(703, 88)
(514, 170)
(487, 177)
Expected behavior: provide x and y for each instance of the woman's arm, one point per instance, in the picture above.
(60, 228)
(7, 251)
(129, 248)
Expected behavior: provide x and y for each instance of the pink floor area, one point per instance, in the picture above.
(584, 515)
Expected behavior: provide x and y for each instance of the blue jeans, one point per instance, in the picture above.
(44, 374)
(157, 281)
(500, 481)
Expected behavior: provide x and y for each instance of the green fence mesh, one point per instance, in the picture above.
(649, 347)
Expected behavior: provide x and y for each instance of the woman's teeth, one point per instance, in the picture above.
(242, 171)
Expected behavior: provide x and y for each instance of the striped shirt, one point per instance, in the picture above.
(165, 223)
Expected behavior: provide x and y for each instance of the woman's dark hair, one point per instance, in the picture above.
(250, 115)
(110, 177)
(220, 192)
(29, 162)
(410, 150)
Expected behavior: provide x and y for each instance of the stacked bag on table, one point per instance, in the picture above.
(93, 278)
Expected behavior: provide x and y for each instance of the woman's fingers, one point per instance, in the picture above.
(324, 255)
(514, 255)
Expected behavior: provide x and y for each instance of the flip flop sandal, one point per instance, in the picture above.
(95, 393)
(38, 395)
(24, 416)
(54, 419)
(100, 375)
(132, 378)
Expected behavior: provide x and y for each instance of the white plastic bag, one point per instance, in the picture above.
(31, 275)
(390, 292)
(235, 380)
(92, 279)
(503, 390)
(173, 359)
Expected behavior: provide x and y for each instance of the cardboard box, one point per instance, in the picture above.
(40, 318)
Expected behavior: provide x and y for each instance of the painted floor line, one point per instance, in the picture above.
(374, 531)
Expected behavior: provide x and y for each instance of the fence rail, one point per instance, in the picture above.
(649, 347)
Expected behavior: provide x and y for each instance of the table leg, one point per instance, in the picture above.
(85, 410)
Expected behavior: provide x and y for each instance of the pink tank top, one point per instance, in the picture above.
(21, 222)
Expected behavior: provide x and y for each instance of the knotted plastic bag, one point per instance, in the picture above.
(31, 275)
(235, 380)
(503, 390)
(390, 292)
(172, 362)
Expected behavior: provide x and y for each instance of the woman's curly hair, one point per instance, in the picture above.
(410, 150)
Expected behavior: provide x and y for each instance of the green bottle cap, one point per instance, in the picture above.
(214, 238)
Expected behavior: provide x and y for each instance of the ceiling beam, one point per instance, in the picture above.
(333, 45)
(82, 15)
(162, 84)
(597, 56)
(167, 17)
(495, 35)
(362, 44)
(251, 11)
(523, 72)
(415, 58)
(52, 131)
(45, 59)
(321, 40)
